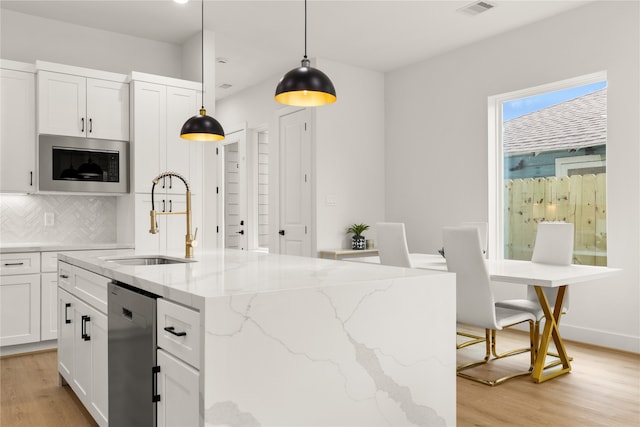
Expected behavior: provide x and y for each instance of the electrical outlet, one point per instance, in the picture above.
(49, 219)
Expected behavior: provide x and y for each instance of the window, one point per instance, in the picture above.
(548, 163)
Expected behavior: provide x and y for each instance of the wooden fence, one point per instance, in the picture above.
(580, 199)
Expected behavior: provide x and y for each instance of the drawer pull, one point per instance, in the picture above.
(64, 276)
(84, 335)
(155, 397)
(171, 330)
(6, 264)
(66, 306)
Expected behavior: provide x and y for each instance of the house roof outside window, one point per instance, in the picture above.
(578, 123)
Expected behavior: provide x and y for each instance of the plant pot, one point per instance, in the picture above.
(358, 242)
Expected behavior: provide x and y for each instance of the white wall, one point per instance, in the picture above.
(28, 38)
(254, 105)
(349, 154)
(348, 146)
(436, 150)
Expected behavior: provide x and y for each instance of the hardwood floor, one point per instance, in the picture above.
(30, 395)
(603, 389)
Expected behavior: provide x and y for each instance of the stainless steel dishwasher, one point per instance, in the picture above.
(132, 356)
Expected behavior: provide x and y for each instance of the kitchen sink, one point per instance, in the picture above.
(149, 260)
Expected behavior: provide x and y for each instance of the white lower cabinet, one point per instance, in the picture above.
(19, 298)
(99, 392)
(178, 356)
(19, 309)
(179, 390)
(66, 326)
(83, 339)
(48, 308)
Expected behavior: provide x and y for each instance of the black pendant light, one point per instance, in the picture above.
(202, 127)
(305, 86)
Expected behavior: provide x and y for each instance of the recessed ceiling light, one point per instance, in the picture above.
(181, 1)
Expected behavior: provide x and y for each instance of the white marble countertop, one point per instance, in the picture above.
(6, 248)
(227, 272)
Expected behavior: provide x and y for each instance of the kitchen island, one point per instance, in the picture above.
(302, 341)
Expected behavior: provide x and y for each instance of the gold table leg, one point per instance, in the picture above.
(550, 331)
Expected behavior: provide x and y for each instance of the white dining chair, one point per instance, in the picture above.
(392, 244)
(554, 246)
(475, 304)
(482, 231)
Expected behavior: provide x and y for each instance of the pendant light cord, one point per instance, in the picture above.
(202, 52)
(305, 29)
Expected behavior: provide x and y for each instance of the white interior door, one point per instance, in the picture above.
(234, 191)
(295, 184)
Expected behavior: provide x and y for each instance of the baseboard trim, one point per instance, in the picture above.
(600, 338)
(594, 337)
(21, 349)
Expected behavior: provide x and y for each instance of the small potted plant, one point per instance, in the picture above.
(357, 241)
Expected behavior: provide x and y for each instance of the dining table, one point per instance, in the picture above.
(540, 276)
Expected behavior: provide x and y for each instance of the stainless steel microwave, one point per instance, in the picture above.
(87, 165)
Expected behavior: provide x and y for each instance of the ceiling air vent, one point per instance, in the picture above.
(476, 8)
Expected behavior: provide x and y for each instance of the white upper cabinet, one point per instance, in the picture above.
(73, 105)
(159, 111)
(149, 105)
(181, 104)
(18, 131)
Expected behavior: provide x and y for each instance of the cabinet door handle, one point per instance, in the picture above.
(64, 276)
(66, 306)
(170, 205)
(155, 397)
(6, 264)
(163, 206)
(90, 125)
(84, 334)
(170, 181)
(163, 181)
(82, 120)
(31, 178)
(172, 330)
(240, 232)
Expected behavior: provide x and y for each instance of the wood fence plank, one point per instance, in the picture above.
(508, 201)
(562, 198)
(601, 218)
(580, 200)
(586, 228)
(528, 224)
(550, 208)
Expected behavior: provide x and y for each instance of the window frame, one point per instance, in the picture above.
(496, 156)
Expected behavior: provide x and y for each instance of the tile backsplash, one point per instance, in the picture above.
(76, 219)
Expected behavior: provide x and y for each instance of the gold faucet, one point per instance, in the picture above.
(190, 241)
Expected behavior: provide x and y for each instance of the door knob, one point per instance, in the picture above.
(281, 232)
(240, 232)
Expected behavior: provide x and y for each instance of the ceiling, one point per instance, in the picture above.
(264, 37)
